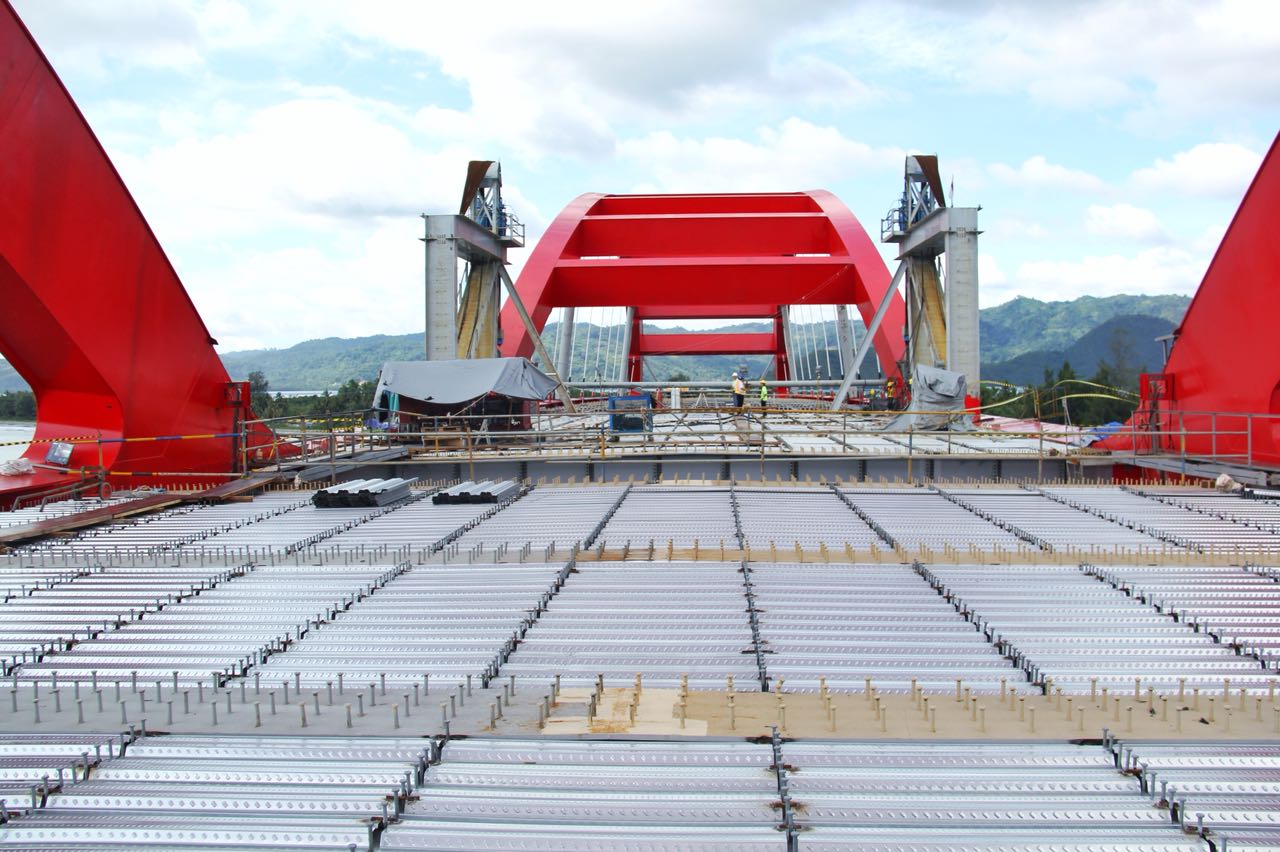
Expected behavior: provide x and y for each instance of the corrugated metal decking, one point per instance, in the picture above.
(680, 515)
(851, 622)
(563, 516)
(443, 621)
(551, 794)
(951, 796)
(1237, 606)
(1229, 790)
(229, 792)
(301, 596)
(806, 517)
(223, 630)
(1055, 523)
(902, 513)
(172, 528)
(1176, 523)
(662, 620)
(94, 604)
(1060, 623)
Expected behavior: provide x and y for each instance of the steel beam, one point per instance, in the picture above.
(952, 231)
(513, 299)
(722, 311)
(865, 346)
(448, 238)
(928, 236)
(963, 341)
(564, 349)
(628, 322)
(746, 343)
(784, 313)
(844, 335)
(474, 242)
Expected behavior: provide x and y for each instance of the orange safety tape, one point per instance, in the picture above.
(174, 474)
(78, 439)
(93, 439)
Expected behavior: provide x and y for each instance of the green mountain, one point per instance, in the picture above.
(1025, 325)
(1126, 343)
(324, 364)
(1019, 338)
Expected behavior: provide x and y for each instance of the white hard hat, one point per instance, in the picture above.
(735, 375)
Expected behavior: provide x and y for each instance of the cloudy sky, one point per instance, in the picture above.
(283, 149)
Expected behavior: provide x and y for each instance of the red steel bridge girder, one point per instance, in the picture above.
(731, 311)
(1221, 385)
(94, 316)
(746, 343)
(703, 256)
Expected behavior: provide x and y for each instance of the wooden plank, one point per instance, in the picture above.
(50, 526)
(235, 488)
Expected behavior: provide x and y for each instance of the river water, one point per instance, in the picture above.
(14, 432)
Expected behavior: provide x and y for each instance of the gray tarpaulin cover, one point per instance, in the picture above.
(932, 391)
(449, 382)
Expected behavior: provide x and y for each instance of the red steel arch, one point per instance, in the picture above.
(1219, 393)
(92, 313)
(706, 256)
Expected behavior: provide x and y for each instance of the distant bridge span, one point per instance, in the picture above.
(706, 256)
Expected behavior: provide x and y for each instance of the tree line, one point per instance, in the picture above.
(355, 395)
(1064, 397)
(1109, 395)
(18, 405)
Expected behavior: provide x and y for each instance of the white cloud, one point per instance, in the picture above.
(989, 271)
(267, 183)
(561, 77)
(279, 296)
(309, 162)
(1163, 269)
(1079, 91)
(303, 222)
(1212, 169)
(569, 73)
(1210, 238)
(1038, 173)
(810, 81)
(90, 37)
(795, 154)
(1010, 228)
(1124, 222)
(1167, 62)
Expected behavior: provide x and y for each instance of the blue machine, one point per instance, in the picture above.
(633, 413)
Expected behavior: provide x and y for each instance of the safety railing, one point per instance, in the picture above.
(789, 431)
(1248, 439)
(1216, 435)
(1178, 438)
(92, 484)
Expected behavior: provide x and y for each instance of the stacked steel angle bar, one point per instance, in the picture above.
(649, 666)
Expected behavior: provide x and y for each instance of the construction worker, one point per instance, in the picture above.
(764, 396)
(739, 391)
